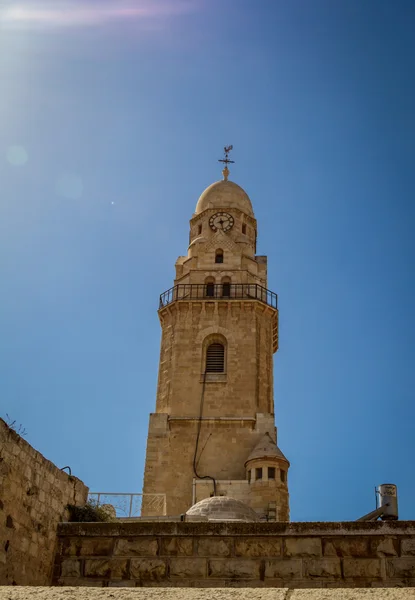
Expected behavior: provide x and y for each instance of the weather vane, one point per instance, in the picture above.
(226, 161)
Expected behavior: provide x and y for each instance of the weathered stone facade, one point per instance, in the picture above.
(223, 415)
(295, 555)
(33, 499)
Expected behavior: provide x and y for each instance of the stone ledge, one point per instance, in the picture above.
(169, 528)
(154, 593)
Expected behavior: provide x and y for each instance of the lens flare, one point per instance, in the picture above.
(17, 156)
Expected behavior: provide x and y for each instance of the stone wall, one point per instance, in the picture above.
(33, 498)
(184, 554)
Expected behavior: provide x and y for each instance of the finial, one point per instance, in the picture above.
(226, 160)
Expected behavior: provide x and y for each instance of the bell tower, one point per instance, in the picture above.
(213, 432)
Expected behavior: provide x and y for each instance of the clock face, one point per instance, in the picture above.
(221, 220)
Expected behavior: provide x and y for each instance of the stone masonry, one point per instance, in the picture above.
(181, 554)
(232, 409)
(33, 498)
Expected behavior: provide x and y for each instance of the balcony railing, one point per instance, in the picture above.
(223, 291)
(129, 505)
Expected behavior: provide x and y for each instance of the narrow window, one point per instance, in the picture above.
(219, 256)
(226, 289)
(283, 476)
(243, 228)
(210, 289)
(199, 231)
(271, 472)
(258, 473)
(249, 476)
(215, 358)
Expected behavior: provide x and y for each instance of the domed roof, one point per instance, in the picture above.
(223, 508)
(266, 448)
(224, 194)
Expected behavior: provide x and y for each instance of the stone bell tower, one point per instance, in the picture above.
(213, 432)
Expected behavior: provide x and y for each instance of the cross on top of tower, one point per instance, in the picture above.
(226, 161)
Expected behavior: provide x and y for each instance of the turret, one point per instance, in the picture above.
(267, 474)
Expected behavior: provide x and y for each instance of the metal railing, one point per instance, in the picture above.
(222, 291)
(129, 505)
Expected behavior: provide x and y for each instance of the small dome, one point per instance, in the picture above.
(224, 194)
(266, 448)
(223, 508)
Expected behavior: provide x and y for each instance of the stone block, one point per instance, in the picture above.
(400, 567)
(347, 547)
(214, 547)
(178, 546)
(148, 569)
(322, 567)
(307, 546)
(258, 547)
(408, 547)
(243, 569)
(94, 546)
(122, 583)
(136, 547)
(71, 568)
(361, 567)
(284, 569)
(188, 567)
(384, 546)
(108, 568)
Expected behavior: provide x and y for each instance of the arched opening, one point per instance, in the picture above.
(243, 228)
(219, 256)
(226, 287)
(215, 358)
(210, 287)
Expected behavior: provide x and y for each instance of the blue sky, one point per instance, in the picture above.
(112, 117)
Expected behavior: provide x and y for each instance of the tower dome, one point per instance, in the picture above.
(223, 508)
(224, 194)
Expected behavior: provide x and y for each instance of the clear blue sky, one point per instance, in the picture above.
(112, 116)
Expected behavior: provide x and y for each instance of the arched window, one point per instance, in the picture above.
(210, 287)
(215, 358)
(226, 287)
(219, 256)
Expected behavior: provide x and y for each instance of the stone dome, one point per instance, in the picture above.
(224, 194)
(223, 508)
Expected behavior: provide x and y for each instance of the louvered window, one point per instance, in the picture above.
(215, 358)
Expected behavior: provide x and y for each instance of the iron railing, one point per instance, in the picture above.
(223, 291)
(129, 505)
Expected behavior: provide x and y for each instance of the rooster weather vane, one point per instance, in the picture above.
(226, 161)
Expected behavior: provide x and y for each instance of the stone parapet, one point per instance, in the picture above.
(181, 554)
(34, 495)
